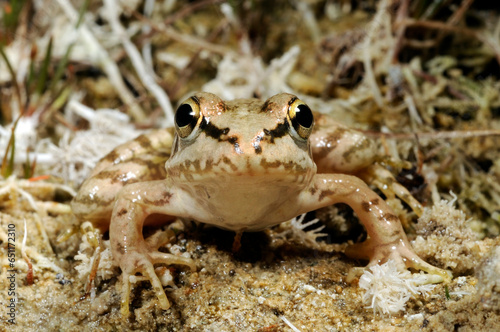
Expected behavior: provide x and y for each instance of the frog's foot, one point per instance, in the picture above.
(143, 261)
(400, 251)
(159, 239)
(385, 182)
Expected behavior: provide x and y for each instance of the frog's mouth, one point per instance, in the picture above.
(242, 169)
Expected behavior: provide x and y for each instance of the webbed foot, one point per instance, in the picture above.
(399, 251)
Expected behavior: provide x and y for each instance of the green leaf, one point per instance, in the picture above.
(44, 70)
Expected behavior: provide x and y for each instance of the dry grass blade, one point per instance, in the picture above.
(43, 73)
(12, 74)
(8, 163)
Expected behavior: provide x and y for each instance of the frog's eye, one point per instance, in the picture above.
(187, 117)
(301, 118)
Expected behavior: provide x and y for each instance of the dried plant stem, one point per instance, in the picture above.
(400, 30)
(188, 9)
(488, 39)
(460, 12)
(492, 42)
(193, 41)
(439, 26)
(12, 75)
(105, 62)
(309, 20)
(367, 59)
(146, 29)
(192, 66)
(185, 39)
(437, 135)
(143, 72)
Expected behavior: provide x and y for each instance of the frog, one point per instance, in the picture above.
(241, 165)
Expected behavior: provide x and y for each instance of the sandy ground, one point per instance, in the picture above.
(271, 280)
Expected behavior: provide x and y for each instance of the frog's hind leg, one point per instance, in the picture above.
(385, 182)
(339, 149)
(386, 238)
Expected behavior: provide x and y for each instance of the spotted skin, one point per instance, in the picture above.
(241, 165)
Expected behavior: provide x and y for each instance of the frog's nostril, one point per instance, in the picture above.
(257, 147)
(237, 148)
(234, 141)
(256, 143)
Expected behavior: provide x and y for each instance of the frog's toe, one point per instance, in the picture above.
(385, 181)
(400, 251)
(143, 264)
(160, 239)
(144, 267)
(411, 260)
(169, 259)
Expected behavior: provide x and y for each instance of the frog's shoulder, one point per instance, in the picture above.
(154, 144)
(139, 160)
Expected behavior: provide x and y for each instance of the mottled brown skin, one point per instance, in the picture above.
(244, 165)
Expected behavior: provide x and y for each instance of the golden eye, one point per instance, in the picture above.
(301, 118)
(187, 117)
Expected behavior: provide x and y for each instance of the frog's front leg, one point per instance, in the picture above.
(135, 203)
(386, 238)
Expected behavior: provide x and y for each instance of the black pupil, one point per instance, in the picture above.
(304, 116)
(184, 115)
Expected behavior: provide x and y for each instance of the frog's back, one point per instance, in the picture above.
(142, 159)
